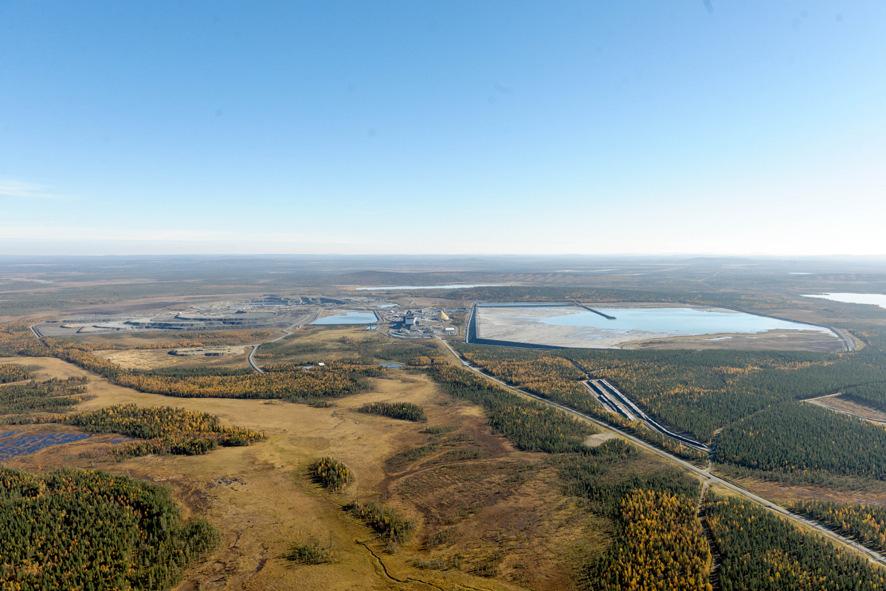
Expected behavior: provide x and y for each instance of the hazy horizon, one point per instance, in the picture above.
(699, 128)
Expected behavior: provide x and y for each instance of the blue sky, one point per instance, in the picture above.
(751, 127)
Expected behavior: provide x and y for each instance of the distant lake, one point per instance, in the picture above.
(347, 317)
(873, 299)
(444, 286)
(676, 321)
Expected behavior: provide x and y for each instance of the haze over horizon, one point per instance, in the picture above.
(456, 128)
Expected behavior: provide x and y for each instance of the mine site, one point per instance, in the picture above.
(506, 419)
(443, 296)
(642, 326)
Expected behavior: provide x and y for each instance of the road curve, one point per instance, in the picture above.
(251, 358)
(871, 555)
(845, 336)
(308, 318)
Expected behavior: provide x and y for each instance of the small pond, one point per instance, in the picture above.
(347, 317)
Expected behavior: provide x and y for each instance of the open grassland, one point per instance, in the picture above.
(294, 384)
(261, 502)
(313, 344)
(164, 339)
(150, 359)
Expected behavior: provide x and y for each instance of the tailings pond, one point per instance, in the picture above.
(565, 325)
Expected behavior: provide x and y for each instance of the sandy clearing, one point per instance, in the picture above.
(839, 404)
(599, 438)
(148, 359)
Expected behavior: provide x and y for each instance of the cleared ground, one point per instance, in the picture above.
(836, 403)
(312, 343)
(147, 359)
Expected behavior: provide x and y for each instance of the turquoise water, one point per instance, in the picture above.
(676, 321)
(418, 287)
(348, 317)
(873, 299)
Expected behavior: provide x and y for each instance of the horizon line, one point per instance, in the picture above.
(457, 255)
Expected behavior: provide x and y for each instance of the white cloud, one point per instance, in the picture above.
(15, 189)
(30, 238)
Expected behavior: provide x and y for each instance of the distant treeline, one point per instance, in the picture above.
(47, 396)
(368, 350)
(330, 381)
(333, 380)
(158, 430)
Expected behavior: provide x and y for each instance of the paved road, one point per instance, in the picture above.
(307, 319)
(252, 358)
(871, 555)
(846, 337)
